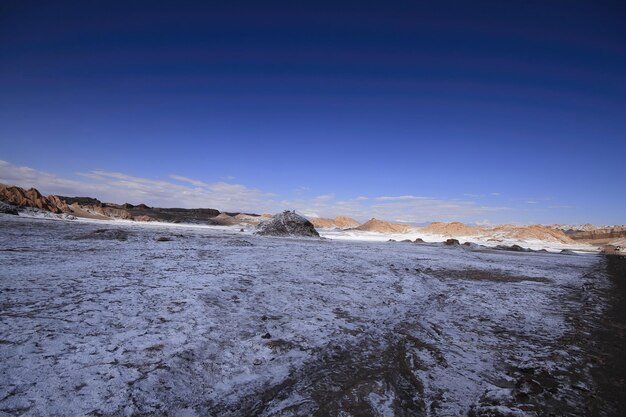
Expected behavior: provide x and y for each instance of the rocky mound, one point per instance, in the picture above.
(339, 222)
(512, 248)
(287, 223)
(382, 226)
(7, 208)
(453, 229)
(104, 234)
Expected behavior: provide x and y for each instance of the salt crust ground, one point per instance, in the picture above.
(218, 322)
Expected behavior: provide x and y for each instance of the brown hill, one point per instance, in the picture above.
(614, 235)
(535, 231)
(340, 222)
(453, 229)
(382, 226)
(614, 232)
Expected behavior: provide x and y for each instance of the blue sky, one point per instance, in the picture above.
(471, 111)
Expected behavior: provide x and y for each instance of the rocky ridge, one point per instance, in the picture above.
(381, 226)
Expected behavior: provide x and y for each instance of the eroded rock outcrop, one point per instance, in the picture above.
(31, 198)
(287, 223)
(615, 232)
(452, 229)
(228, 219)
(7, 208)
(339, 222)
(381, 226)
(532, 232)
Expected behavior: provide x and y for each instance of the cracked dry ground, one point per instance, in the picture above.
(113, 320)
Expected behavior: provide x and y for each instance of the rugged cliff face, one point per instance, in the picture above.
(604, 233)
(31, 198)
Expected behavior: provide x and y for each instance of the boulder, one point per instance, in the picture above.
(104, 234)
(287, 223)
(513, 248)
(452, 242)
(7, 208)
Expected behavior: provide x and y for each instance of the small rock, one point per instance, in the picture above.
(266, 336)
(7, 208)
(451, 242)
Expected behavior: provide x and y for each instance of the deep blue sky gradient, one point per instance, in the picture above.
(525, 99)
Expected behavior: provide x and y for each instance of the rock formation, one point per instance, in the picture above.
(533, 232)
(382, 226)
(7, 208)
(615, 232)
(31, 198)
(452, 229)
(287, 223)
(227, 219)
(339, 222)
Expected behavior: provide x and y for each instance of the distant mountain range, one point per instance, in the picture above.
(16, 198)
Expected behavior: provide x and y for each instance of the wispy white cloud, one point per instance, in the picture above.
(400, 197)
(120, 187)
(564, 206)
(325, 197)
(189, 180)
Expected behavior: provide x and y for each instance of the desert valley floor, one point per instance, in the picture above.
(120, 319)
